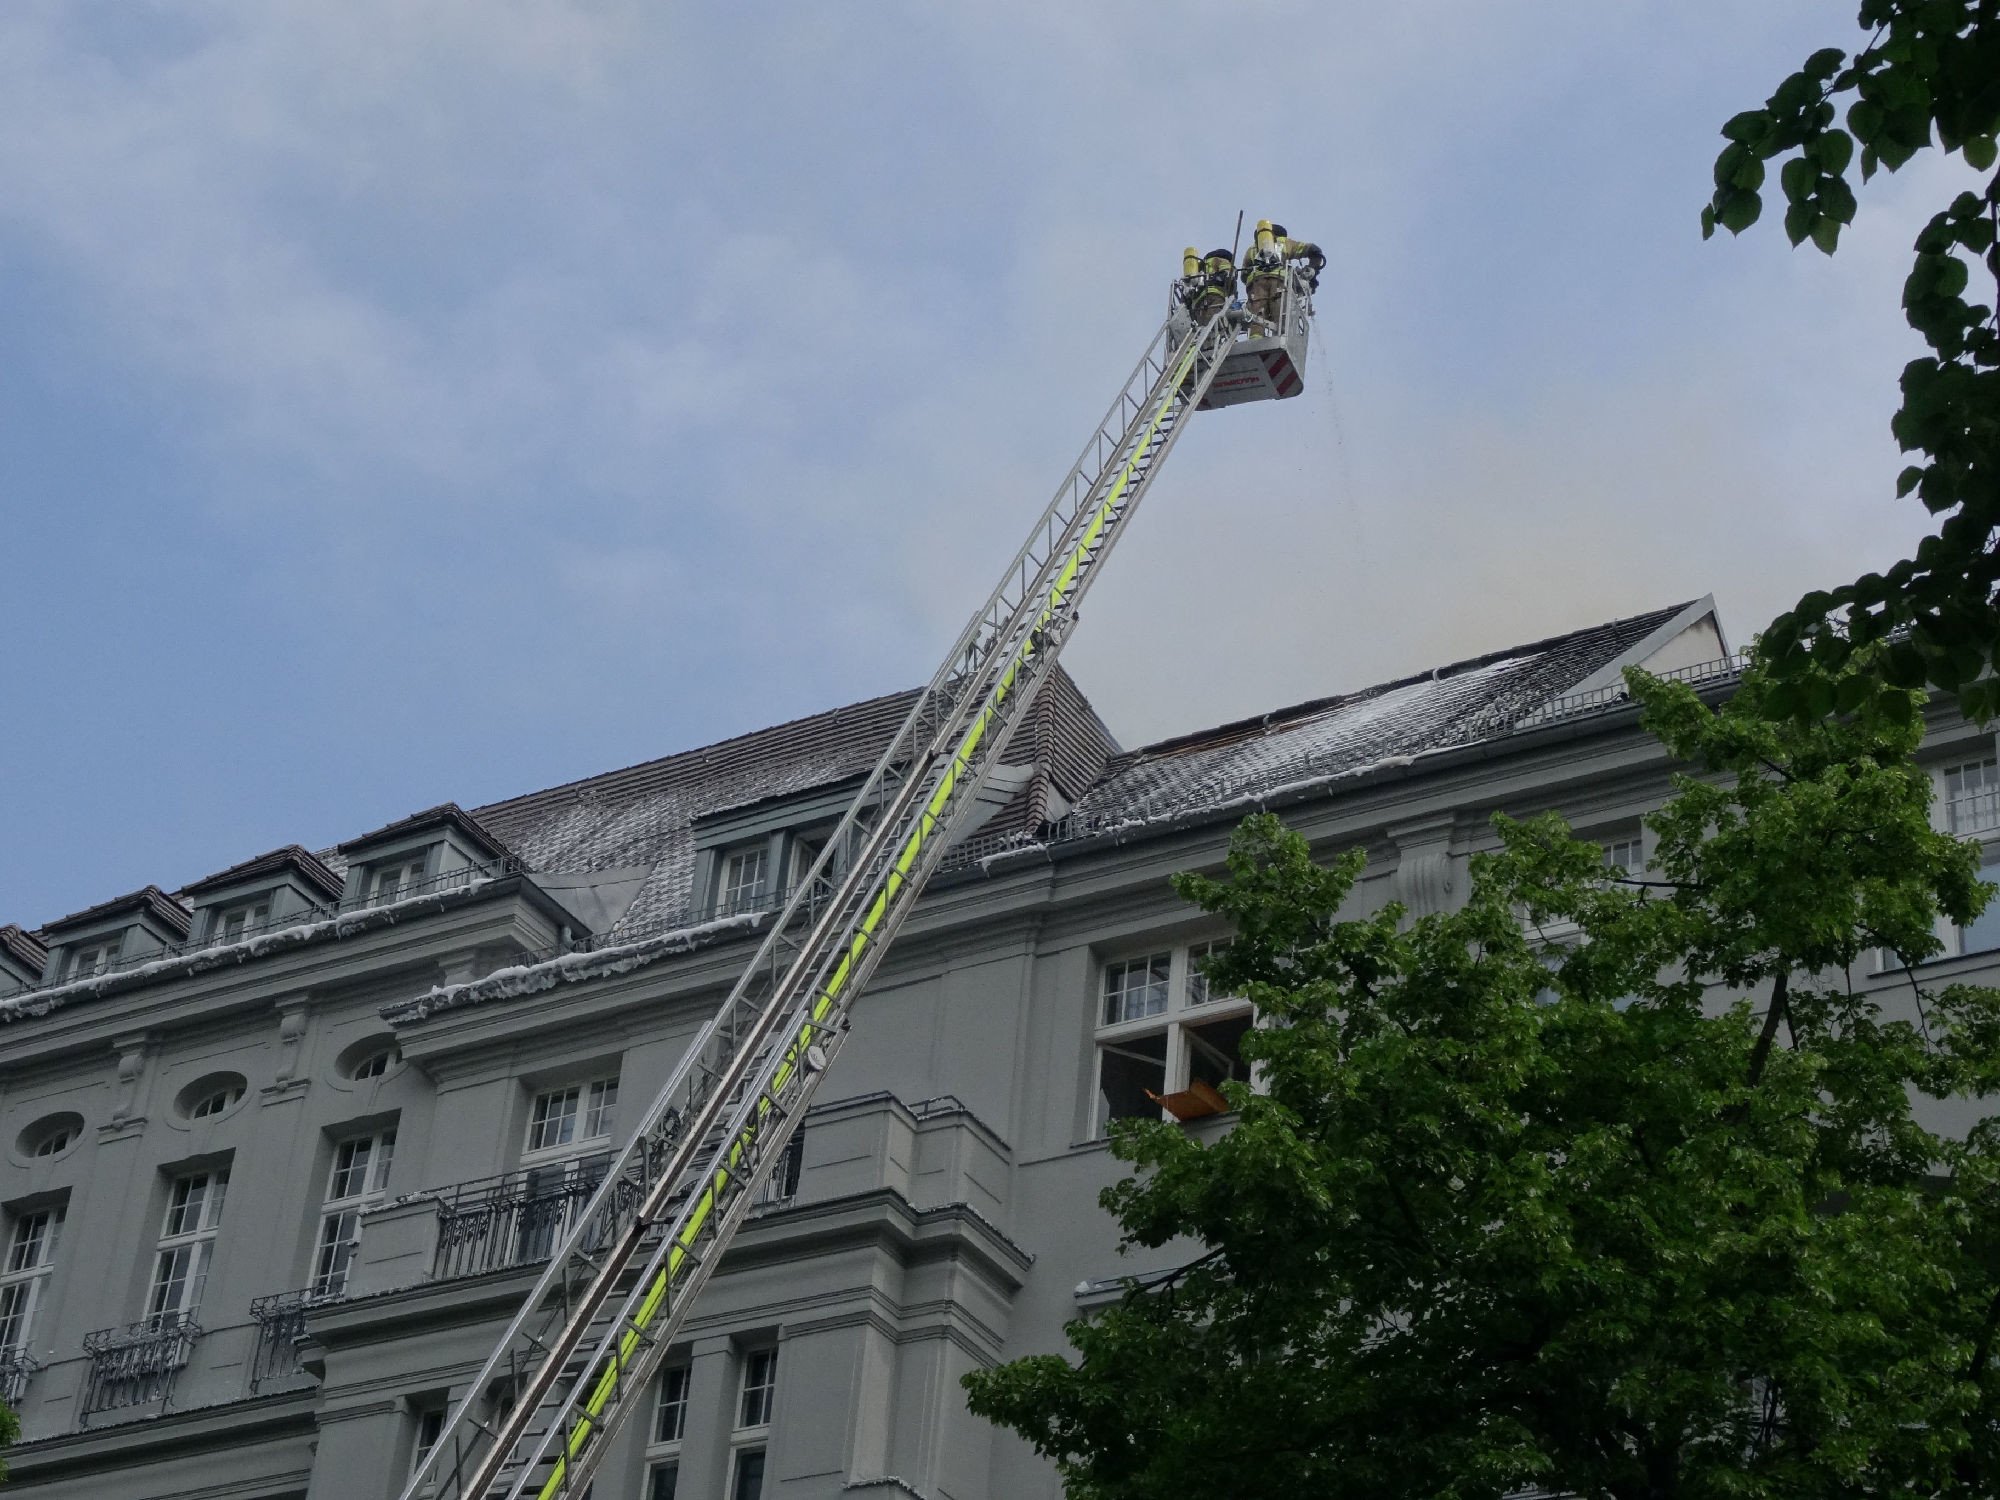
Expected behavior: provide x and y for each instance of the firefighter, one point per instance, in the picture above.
(1264, 262)
(1207, 283)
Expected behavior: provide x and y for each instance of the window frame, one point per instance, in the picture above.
(97, 956)
(734, 895)
(752, 1439)
(24, 1281)
(1181, 1014)
(594, 1119)
(1987, 790)
(339, 1231)
(414, 866)
(663, 1449)
(198, 1240)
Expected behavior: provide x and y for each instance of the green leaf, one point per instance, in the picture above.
(1797, 178)
(1740, 212)
(1836, 199)
(1746, 127)
(1832, 149)
(1980, 152)
(1865, 119)
(1824, 63)
(1826, 234)
(1748, 175)
(1708, 222)
(1907, 480)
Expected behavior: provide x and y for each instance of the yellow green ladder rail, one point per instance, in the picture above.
(580, 1354)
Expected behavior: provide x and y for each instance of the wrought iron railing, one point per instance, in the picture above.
(135, 1365)
(17, 1368)
(281, 1324)
(514, 1219)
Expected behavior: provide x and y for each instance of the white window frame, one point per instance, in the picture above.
(592, 1108)
(1968, 797)
(1187, 1008)
(663, 1444)
(215, 1102)
(1625, 856)
(742, 878)
(750, 1436)
(55, 1142)
(189, 1229)
(95, 957)
(29, 1262)
(395, 879)
(375, 1064)
(241, 919)
(430, 1420)
(351, 1186)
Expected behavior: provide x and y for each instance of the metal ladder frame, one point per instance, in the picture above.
(599, 1321)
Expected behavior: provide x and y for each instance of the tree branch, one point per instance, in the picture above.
(1761, 1053)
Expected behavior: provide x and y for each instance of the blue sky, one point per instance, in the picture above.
(406, 401)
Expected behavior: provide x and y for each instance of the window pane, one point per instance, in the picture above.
(1972, 796)
(673, 1405)
(554, 1123)
(1126, 1070)
(664, 1479)
(760, 1373)
(16, 1305)
(1215, 1051)
(1984, 932)
(1136, 988)
(1198, 957)
(749, 1475)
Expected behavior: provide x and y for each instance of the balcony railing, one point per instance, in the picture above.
(515, 1219)
(281, 1324)
(136, 1364)
(17, 1368)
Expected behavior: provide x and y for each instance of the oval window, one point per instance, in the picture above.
(51, 1135)
(374, 1057)
(212, 1095)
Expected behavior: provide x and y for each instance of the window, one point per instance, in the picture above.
(1983, 933)
(374, 1064)
(24, 1274)
(563, 1117)
(235, 922)
(359, 1178)
(672, 1424)
(760, 1383)
(393, 881)
(187, 1245)
(56, 1141)
(663, 1482)
(744, 872)
(1624, 857)
(1165, 1040)
(430, 1427)
(1972, 796)
(96, 957)
(747, 1482)
(215, 1102)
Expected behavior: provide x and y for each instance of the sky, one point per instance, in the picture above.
(406, 401)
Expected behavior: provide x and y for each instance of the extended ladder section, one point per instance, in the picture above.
(581, 1353)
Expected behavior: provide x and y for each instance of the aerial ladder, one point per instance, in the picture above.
(580, 1355)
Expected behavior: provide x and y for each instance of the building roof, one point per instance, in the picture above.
(148, 902)
(1328, 738)
(645, 814)
(26, 951)
(444, 815)
(292, 857)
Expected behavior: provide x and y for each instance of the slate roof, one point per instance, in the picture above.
(645, 814)
(1328, 738)
(445, 814)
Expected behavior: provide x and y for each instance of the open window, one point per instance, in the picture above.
(1166, 1041)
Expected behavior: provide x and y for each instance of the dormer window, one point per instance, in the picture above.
(745, 879)
(95, 957)
(392, 882)
(234, 923)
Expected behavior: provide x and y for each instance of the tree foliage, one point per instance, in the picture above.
(1927, 76)
(10, 1431)
(1605, 1184)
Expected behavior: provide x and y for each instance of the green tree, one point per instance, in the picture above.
(1928, 75)
(1644, 1213)
(10, 1430)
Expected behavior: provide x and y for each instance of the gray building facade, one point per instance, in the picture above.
(281, 1150)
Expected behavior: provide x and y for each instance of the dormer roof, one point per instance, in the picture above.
(292, 859)
(444, 815)
(149, 902)
(23, 949)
